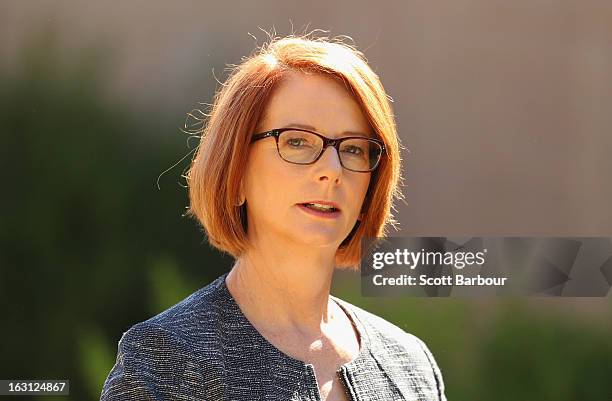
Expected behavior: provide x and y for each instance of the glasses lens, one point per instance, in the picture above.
(359, 154)
(299, 146)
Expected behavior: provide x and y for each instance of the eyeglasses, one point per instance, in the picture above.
(299, 146)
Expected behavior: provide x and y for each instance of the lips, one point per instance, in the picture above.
(329, 213)
(322, 205)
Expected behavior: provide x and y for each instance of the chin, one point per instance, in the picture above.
(317, 236)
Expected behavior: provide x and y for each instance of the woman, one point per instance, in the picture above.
(298, 162)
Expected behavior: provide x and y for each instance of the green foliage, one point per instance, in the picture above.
(532, 356)
(167, 284)
(83, 221)
(95, 356)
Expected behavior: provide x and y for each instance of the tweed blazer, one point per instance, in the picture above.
(204, 348)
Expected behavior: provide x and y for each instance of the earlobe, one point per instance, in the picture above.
(241, 198)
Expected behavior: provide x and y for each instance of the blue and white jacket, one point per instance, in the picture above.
(205, 349)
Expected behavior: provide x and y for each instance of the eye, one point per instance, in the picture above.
(296, 142)
(352, 149)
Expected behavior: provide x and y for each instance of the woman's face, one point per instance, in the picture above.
(275, 189)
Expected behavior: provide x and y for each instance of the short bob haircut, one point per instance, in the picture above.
(218, 165)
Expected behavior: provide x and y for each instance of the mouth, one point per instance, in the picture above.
(321, 208)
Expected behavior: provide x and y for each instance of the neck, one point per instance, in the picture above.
(284, 293)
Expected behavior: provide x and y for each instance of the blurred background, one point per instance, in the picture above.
(504, 110)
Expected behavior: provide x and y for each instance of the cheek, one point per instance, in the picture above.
(268, 183)
(361, 184)
(356, 196)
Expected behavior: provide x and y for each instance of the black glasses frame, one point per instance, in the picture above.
(326, 142)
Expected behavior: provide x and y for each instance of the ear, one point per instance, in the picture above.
(241, 190)
(241, 197)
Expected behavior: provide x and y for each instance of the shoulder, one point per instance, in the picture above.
(380, 330)
(184, 324)
(395, 349)
(154, 355)
(192, 317)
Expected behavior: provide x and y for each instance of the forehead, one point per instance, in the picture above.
(320, 102)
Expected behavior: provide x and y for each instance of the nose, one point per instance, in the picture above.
(328, 165)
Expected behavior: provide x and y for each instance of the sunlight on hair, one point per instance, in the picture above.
(270, 60)
(338, 57)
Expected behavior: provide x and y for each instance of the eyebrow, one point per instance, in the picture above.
(311, 128)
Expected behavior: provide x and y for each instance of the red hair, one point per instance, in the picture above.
(220, 161)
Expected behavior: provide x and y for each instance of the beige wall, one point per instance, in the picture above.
(505, 107)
